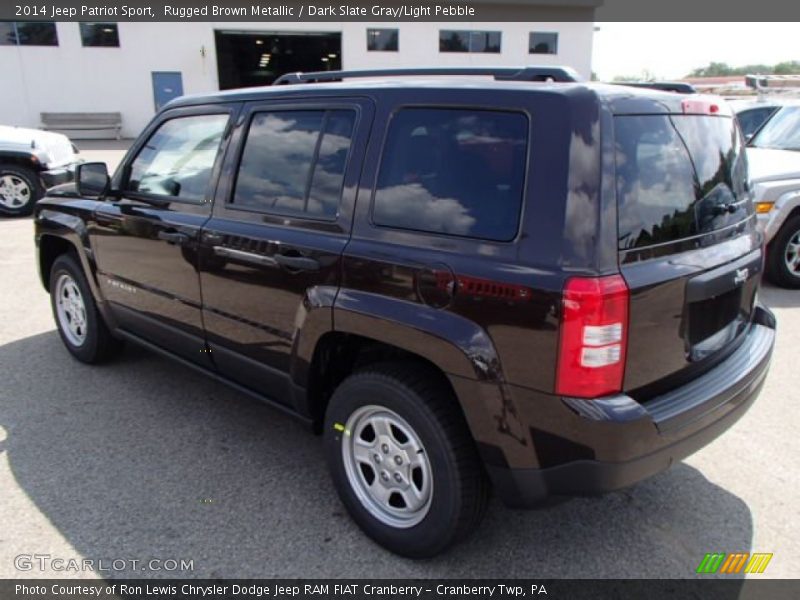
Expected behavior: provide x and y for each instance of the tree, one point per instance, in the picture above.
(721, 69)
(789, 67)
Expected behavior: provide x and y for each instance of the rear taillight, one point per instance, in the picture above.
(594, 333)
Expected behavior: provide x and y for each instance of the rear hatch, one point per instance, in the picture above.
(688, 249)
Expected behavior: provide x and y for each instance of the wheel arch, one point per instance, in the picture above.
(338, 354)
(371, 329)
(62, 232)
(50, 248)
(20, 159)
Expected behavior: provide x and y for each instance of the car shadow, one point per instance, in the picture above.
(144, 458)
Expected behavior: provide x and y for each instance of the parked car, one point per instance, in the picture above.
(32, 160)
(462, 284)
(774, 158)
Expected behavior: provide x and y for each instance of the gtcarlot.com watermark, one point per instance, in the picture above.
(48, 562)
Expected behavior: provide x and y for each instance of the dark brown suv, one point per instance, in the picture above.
(540, 287)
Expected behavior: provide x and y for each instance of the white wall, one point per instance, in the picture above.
(70, 77)
(419, 45)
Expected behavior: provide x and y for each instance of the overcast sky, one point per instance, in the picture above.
(671, 50)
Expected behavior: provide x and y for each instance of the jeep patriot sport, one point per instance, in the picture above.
(545, 288)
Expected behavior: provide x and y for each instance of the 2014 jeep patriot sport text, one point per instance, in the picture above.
(548, 288)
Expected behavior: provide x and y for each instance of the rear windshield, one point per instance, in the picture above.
(677, 176)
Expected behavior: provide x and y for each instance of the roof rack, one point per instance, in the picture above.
(560, 74)
(680, 87)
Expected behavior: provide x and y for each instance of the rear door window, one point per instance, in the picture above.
(455, 172)
(294, 162)
(678, 176)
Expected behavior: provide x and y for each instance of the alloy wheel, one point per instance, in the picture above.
(71, 310)
(387, 466)
(14, 191)
(792, 254)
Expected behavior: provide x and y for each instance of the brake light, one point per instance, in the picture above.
(708, 105)
(594, 333)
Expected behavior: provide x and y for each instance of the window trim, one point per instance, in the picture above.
(395, 29)
(313, 106)
(178, 113)
(450, 236)
(530, 43)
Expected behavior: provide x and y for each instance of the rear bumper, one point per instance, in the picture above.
(618, 441)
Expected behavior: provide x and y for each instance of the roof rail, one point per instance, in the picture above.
(680, 87)
(560, 74)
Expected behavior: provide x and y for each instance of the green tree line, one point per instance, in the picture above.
(721, 69)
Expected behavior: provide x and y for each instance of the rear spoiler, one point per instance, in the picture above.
(679, 87)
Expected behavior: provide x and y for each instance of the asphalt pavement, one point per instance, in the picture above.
(143, 458)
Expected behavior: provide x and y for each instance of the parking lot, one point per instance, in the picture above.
(144, 458)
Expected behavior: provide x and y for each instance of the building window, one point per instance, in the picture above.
(8, 34)
(383, 40)
(452, 171)
(100, 35)
(28, 33)
(543, 43)
(451, 40)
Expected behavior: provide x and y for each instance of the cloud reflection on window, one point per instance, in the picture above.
(455, 172)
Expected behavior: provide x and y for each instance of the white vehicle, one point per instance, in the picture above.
(773, 156)
(32, 160)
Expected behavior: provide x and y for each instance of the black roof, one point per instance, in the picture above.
(618, 99)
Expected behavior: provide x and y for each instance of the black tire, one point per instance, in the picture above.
(778, 271)
(98, 344)
(460, 488)
(35, 190)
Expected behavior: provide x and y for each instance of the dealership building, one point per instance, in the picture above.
(132, 68)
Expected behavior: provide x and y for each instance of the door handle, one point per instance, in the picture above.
(251, 257)
(173, 237)
(298, 263)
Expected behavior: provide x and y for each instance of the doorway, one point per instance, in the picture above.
(166, 86)
(254, 58)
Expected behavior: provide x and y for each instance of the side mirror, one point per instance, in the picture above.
(92, 179)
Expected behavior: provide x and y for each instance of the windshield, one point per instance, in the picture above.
(782, 132)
